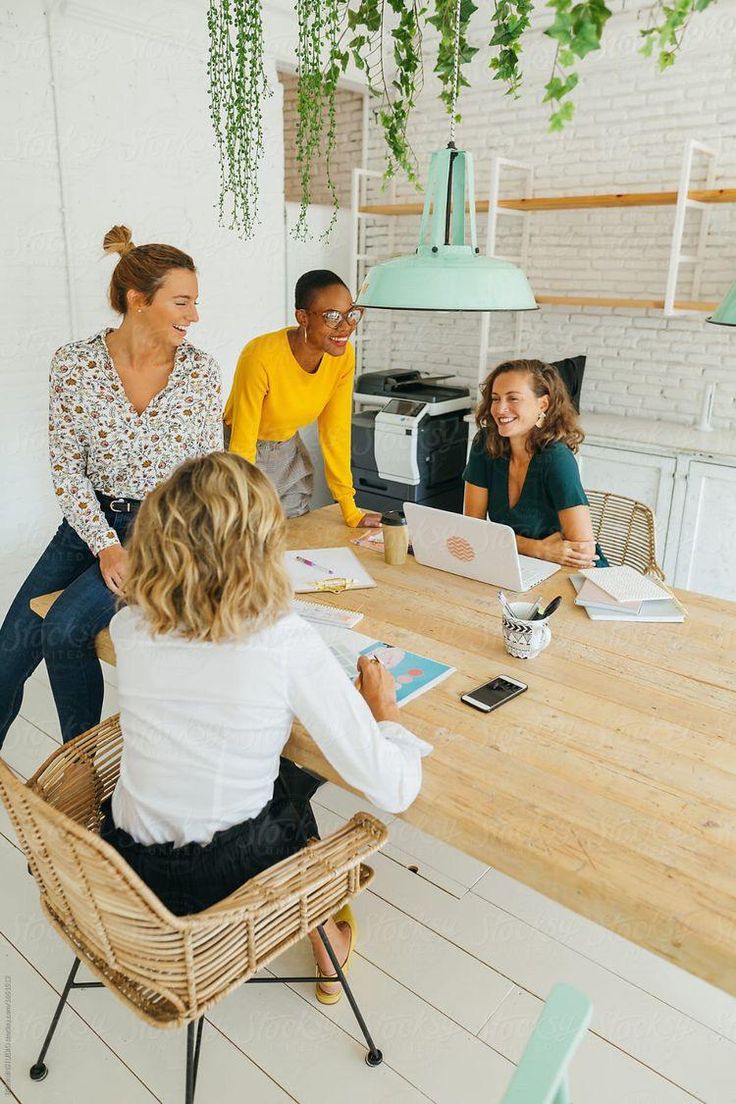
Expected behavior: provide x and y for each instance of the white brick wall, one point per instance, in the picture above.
(628, 135)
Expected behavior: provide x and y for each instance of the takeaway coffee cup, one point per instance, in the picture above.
(524, 639)
(395, 537)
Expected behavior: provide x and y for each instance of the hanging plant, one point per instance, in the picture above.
(383, 38)
(667, 26)
(367, 47)
(509, 20)
(577, 30)
(320, 63)
(237, 87)
(445, 20)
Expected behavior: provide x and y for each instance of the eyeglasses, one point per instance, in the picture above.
(333, 318)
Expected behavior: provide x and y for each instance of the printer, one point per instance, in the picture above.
(409, 440)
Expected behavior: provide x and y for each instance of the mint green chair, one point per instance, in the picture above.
(541, 1075)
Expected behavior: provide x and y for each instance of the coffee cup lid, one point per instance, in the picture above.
(393, 517)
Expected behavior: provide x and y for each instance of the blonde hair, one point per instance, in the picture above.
(560, 421)
(206, 554)
(141, 267)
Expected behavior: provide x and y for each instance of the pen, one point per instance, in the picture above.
(311, 563)
(547, 610)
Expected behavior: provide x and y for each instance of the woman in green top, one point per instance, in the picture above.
(522, 472)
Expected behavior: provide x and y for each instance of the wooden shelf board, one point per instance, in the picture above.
(611, 301)
(569, 203)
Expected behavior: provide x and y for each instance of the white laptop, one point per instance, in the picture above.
(472, 547)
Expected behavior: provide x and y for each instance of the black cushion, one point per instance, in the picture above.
(572, 369)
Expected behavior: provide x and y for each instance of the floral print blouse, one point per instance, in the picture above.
(98, 441)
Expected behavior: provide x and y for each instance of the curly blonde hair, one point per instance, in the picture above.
(560, 421)
(206, 553)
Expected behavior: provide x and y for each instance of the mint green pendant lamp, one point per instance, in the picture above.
(446, 272)
(726, 313)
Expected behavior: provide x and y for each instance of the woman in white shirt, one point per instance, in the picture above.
(212, 669)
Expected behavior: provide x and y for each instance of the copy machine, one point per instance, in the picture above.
(409, 440)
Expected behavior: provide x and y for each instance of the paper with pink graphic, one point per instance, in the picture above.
(413, 674)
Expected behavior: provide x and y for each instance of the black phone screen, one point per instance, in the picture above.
(495, 692)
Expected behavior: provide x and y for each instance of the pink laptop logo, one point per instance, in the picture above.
(460, 549)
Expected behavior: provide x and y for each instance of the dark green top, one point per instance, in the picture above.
(552, 484)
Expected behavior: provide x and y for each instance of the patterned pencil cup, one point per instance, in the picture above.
(524, 639)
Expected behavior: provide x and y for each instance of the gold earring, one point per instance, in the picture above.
(305, 333)
(140, 310)
(540, 419)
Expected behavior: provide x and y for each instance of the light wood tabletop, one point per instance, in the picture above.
(610, 786)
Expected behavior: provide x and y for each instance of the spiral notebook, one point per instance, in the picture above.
(326, 615)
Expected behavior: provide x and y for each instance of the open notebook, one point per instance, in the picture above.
(327, 569)
(413, 674)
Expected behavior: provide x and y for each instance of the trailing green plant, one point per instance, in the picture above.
(509, 21)
(368, 47)
(383, 38)
(666, 30)
(445, 21)
(238, 88)
(577, 29)
(320, 63)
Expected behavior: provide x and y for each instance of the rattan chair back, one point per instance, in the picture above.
(168, 969)
(624, 528)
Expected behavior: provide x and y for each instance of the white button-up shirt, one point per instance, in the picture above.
(204, 726)
(99, 442)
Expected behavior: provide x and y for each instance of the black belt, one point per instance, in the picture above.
(118, 505)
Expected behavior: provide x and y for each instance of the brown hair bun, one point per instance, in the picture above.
(118, 239)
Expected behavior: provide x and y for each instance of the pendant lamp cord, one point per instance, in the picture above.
(455, 75)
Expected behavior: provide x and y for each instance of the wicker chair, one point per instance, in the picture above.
(168, 969)
(625, 530)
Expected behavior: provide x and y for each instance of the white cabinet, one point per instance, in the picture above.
(705, 554)
(645, 476)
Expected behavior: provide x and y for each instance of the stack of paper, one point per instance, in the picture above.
(623, 594)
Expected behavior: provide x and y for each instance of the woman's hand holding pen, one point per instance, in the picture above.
(377, 686)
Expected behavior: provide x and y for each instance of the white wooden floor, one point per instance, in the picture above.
(454, 963)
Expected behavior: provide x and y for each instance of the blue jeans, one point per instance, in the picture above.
(65, 638)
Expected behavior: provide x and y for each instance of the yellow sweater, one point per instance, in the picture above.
(272, 397)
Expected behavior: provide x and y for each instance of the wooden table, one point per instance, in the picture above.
(610, 785)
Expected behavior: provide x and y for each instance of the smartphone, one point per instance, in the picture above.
(494, 693)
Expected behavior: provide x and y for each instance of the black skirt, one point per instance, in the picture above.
(191, 878)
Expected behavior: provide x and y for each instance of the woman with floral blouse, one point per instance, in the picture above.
(126, 407)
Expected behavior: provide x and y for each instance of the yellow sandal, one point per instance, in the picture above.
(344, 916)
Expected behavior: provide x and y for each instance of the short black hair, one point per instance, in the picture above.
(310, 283)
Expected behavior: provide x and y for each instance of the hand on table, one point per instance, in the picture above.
(568, 553)
(376, 683)
(113, 567)
(370, 521)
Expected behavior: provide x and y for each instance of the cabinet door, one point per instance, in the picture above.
(646, 477)
(705, 559)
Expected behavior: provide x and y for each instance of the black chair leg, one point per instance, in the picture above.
(374, 1056)
(39, 1069)
(194, 1043)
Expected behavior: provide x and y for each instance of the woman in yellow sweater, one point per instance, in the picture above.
(284, 380)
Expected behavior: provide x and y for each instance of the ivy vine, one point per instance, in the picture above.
(237, 88)
(444, 19)
(509, 20)
(666, 30)
(383, 38)
(368, 45)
